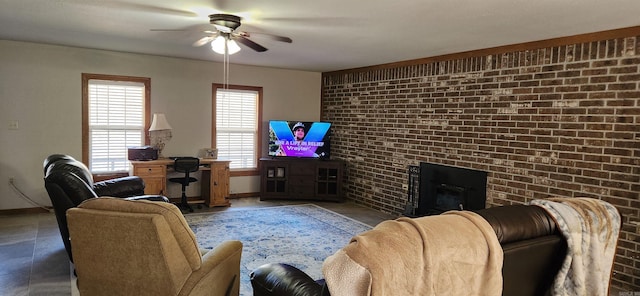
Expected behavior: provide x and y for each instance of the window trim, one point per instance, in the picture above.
(258, 89)
(85, 110)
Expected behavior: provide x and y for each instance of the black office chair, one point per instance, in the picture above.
(185, 165)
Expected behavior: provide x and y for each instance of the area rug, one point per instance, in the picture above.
(299, 235)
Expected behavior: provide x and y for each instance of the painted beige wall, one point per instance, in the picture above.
(40, 87)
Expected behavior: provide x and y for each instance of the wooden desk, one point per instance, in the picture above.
(214, 180)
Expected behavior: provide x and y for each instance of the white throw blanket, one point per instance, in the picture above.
(591, 228)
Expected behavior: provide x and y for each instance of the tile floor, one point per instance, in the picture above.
(33, 260)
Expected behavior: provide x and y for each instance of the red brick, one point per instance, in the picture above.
(578, 65)
(623, 86)
(552, 68)
(604, 63)
(630, 61)
(624, 70)
(591, 72)
(567, 88)
(568, 74)
(602, 95)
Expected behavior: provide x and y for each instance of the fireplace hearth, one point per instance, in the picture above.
(442, 188)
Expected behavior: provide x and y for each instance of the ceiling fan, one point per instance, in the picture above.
(225, 34)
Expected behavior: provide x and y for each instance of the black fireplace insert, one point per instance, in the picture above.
(444, 188)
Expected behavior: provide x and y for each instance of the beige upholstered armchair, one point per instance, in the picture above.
(123, 247)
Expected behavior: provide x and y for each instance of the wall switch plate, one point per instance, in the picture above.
(13, 124)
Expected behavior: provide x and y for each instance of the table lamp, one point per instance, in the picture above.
(159, 132)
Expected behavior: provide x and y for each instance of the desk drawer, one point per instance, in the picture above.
(149, 170)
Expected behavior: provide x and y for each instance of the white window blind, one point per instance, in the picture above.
(116, 121)
(237, 127)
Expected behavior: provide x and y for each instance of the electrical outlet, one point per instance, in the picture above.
(11, 179)
(13, 125)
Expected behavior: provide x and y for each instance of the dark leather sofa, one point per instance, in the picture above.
(69, 182)
(532, 246)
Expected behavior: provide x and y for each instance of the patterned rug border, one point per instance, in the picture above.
(282, 206)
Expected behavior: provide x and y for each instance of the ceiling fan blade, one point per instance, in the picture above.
(255, 46)
(282, 39)
(270, 36)
(220, 4)
(204, 40)
(152, 8)
(127, 5)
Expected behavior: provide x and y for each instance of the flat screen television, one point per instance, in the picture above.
(302, 139)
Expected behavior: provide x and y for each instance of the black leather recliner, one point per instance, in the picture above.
(533, 253)
(69, 182)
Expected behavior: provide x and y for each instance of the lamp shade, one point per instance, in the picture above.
(159, 122)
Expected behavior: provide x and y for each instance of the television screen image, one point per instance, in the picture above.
(299, 139)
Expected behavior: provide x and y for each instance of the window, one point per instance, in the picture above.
(236, 126)
(115, 115)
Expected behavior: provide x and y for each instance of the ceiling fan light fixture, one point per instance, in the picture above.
(218, 45)
(232, 46)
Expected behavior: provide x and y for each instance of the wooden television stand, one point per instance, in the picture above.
(301, 178)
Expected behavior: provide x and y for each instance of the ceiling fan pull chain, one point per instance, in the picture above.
(226, 50)
(224, 67)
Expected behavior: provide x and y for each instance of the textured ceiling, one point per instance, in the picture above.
(327, 35)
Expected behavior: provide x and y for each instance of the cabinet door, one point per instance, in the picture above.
(275, 179)
(154, 185)
(219, 184)
(328, 181)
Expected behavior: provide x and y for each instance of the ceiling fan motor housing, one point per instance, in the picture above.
(227, 20)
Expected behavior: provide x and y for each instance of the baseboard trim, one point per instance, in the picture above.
(245, 194)
(25, 211)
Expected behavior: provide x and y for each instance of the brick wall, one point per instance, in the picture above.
(557, 120)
